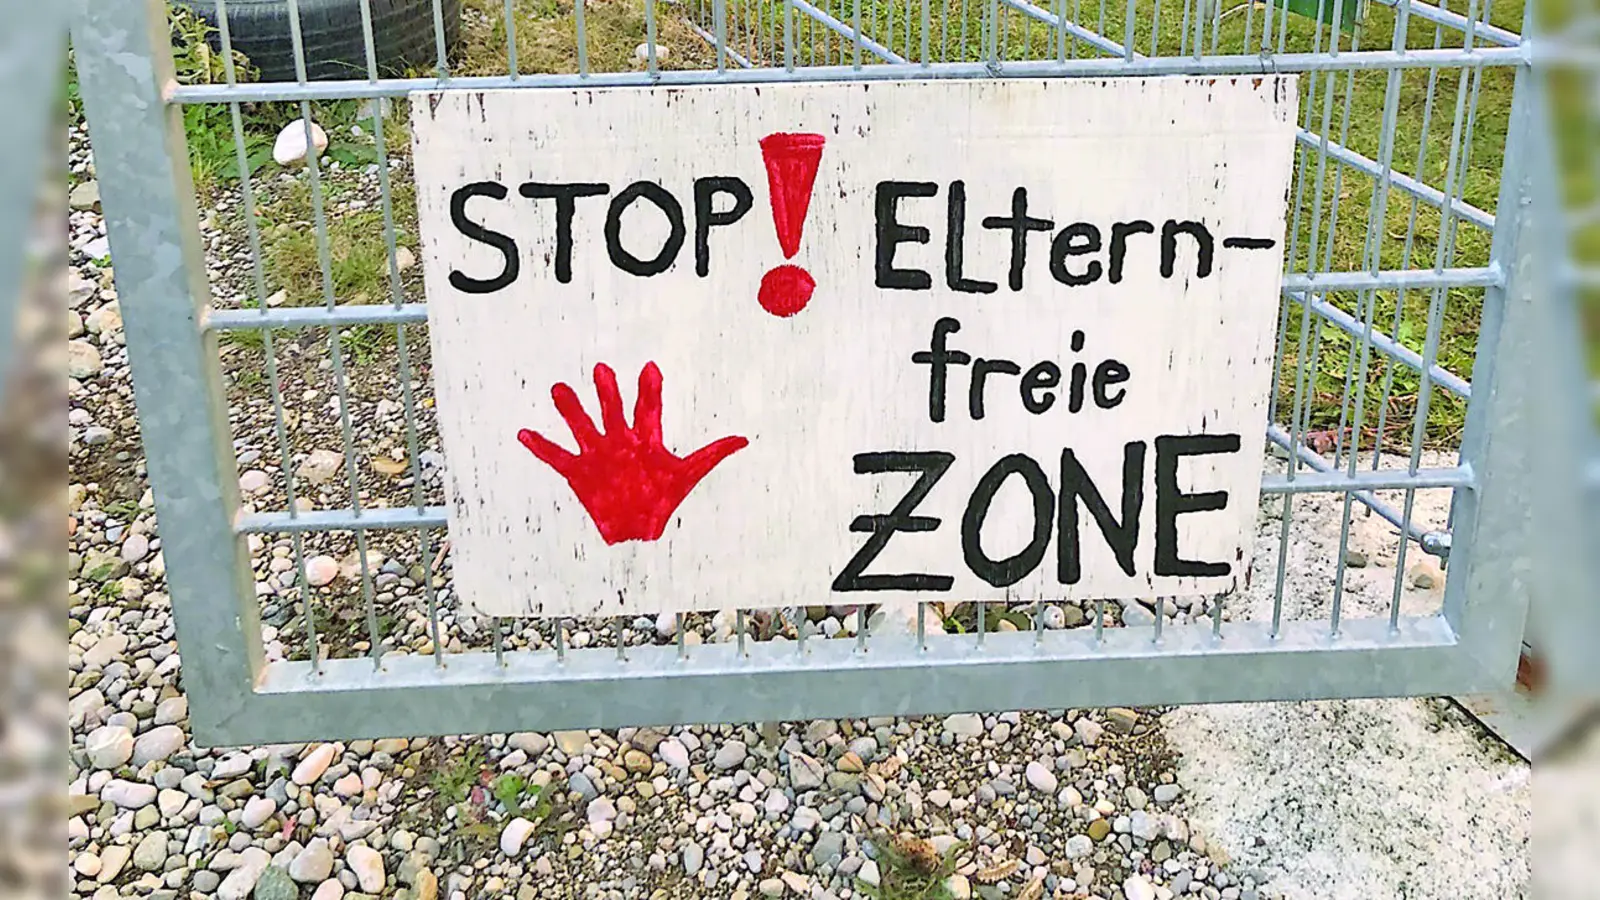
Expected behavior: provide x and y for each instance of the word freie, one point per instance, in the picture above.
(1036, 387)
(1077, 254)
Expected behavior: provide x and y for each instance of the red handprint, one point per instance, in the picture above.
(628, 481)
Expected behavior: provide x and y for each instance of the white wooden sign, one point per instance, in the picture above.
(720, 346)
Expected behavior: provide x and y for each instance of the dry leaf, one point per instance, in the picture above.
(889, 767)
(918, 852)
(996, 872)
(383, 465)
(1033, 891)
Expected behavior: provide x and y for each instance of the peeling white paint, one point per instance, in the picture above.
(770, 524)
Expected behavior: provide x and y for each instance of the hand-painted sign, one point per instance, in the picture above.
(1000, 339)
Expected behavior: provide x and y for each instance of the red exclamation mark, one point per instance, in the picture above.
(791, 171)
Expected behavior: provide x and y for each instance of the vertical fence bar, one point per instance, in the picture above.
(719, 13)
(124, 62)
(788, 35)
(511, 40)
(855, 24)
(580, 24)
(650, 64)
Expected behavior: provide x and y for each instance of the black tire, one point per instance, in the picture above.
(330, 30)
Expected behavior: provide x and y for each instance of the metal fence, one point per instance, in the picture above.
(1406, 330)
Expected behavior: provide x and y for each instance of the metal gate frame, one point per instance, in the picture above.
(133, 104)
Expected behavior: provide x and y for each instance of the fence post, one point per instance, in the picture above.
(1493, 540)
(125, 72)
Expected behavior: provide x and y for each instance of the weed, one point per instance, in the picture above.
(457, 775)
(910, 869)
(508, 789)
(122, 510)
(209, 128)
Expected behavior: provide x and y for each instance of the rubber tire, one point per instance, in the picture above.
(330, 30)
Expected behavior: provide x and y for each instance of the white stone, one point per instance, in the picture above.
(151, 853)
(128, 794)
(105, 651)
(367, 864)
(572, 743)
(290, 147)
(348, 786)
(1137, 888)
(79, 289)
(320, 466)
(673, 753)
(135, 548)
(1088, 731)
(315, 763)
(1079, 846)
(321, 570)
(254, 481)
(112, 860)
(530, 742)
(157, 744)
(514, 835)
(642, 53)
(805, 773)
(83, 359)
(404, 258)
(601, 809)
(964, 725)
(170, 802)
(242, 880)
(313, 864)
(105, 320)
(109, 746)
(940, 797)
(666, 624)
(86, 864)
(257, 810)
(231, 766)
(776, 803)
(328, 890)
(869, 873)
(85, 195)
(730, 755)
(1144, 826)
(172, 710)
(1040, 778)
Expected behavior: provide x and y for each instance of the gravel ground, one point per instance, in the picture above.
(1357, 799)
(1351, 799)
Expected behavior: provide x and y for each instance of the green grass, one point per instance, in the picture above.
(358, 256)
(1329, 230)
(547, 37)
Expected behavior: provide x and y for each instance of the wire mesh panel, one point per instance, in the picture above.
(276, 329)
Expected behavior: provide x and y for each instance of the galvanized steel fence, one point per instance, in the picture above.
(1408, 321)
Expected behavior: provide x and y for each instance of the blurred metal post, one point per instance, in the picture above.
(126, 76)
